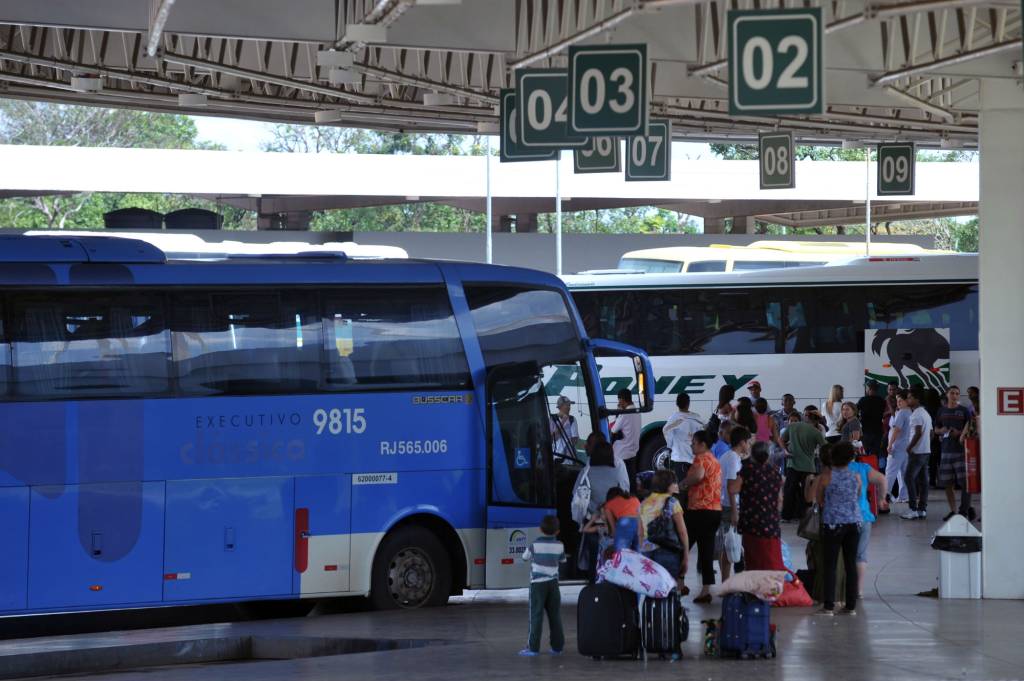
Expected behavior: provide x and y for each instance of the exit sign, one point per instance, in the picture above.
(1010, 401)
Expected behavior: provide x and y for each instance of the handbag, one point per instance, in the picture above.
(810, 525)
(580, 503)
(662, 530)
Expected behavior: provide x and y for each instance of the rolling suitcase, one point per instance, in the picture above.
(745, 629)
(663, 625)
(607, 622)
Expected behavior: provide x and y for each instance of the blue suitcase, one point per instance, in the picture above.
(745, 629)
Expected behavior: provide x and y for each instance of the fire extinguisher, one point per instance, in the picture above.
(972, 455)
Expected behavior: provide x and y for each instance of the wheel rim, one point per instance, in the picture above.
(661, 459)
(410, 577)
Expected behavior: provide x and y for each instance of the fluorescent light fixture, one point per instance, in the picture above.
(365, 33)
(334, 58)
(192, 99)
(329, 116)
(438, 99)
(852, 144)
(86, 83)
(339, 76)
(487, 128)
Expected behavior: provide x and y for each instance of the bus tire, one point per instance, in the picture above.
(648, 448)
(411, 570)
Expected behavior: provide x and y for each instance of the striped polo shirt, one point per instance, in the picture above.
(545, 553)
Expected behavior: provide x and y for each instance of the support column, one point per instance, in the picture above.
(744, 225)
(1002, 327)
(714, 225)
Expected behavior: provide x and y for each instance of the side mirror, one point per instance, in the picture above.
(642, 371)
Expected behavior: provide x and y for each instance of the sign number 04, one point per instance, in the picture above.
(539, 110)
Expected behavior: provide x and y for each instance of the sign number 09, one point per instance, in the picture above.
(788, 80)
(895, 169)
(594, 91)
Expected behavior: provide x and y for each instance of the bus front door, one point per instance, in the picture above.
(521, 473)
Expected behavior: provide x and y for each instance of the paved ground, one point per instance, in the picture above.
(898, 635)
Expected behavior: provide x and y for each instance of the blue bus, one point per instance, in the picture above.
(270, 428)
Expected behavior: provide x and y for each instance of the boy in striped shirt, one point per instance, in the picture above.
(545, 554)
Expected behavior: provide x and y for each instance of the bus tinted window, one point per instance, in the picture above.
(952, 306)
(652, 266)
(246, 343)
(522, 325)
(706, 266)
(68, 345)
(749, 265)
(5, 361)
(770, 320)
(384, 337)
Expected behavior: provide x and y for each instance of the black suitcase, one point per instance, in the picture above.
(607, 622)
(663, 625)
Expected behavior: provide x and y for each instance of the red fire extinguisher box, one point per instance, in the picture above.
(972, 453)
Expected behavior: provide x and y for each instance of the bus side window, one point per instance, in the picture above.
(5, 360)
(245, 343)
(74, 345)
(374, 337)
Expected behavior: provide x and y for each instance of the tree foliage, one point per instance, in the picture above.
(44, 124)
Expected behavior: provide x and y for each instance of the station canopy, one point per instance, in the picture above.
(905, 71)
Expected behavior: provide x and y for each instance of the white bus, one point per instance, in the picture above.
(797, 330)
(759, 255)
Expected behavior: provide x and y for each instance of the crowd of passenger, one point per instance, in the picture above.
(749, 469)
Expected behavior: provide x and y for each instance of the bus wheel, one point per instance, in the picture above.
(648, 450)
(411, 570)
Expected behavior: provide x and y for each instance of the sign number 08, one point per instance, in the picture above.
(776, 160)
(788, 80)
(593, 91)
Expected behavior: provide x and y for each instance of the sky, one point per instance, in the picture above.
(240, 135)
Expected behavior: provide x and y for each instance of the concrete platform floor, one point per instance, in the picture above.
(897, 635)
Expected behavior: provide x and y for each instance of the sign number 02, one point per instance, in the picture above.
(788, 80)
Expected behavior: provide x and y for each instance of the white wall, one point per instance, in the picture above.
(1002, 331)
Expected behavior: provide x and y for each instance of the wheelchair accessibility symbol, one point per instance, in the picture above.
(522, 457)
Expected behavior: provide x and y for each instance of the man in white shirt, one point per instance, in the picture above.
(564, 430)
(626, 436)
(731, 462)
(678, 432)
(920, 452)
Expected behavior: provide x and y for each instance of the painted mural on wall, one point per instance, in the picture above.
(908, 357)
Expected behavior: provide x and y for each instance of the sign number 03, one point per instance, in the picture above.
(594, 91)
(788, 80)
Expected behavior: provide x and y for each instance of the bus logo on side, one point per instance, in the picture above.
(517, 542)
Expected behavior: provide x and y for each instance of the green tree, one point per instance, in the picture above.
(44, 124)
(746, 152)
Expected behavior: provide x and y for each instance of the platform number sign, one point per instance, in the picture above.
(775, 157)
(649, 157)
(895, 169)
(601, 155)
(775, 61)
(542, 97)
(608, 89)
(511, 150)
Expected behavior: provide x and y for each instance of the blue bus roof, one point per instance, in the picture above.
(27, 260)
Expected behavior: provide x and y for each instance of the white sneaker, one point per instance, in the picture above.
(922, 514)
(910, 515)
